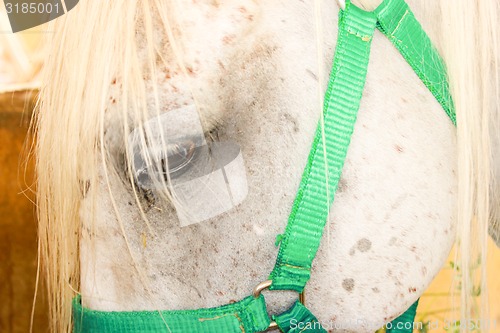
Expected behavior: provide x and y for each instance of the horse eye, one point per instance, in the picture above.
(172, 161)
(178, 158)
(165, 147)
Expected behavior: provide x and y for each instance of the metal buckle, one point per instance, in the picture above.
(265, 285)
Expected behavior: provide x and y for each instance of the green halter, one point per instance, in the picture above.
(300, 242)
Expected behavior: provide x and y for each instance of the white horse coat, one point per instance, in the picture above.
(253, 68)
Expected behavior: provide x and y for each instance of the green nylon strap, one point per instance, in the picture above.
(397, 22)
(249, 315)
(299, 244)
(298, 319)
(403, 323)
(310, 209)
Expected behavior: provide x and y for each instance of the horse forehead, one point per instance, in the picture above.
(221, 44)
(213, 34)
(209, 26)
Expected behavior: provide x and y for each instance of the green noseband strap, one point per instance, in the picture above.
(247, 315)
(300, 242)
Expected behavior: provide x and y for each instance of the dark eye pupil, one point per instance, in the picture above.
(178, 157)
(170, 164)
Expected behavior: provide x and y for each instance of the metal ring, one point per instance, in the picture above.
(265, 285)
(261, 287)
(273, 326)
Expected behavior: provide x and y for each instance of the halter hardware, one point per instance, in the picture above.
(257, 291)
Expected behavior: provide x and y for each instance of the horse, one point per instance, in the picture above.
(255, 74)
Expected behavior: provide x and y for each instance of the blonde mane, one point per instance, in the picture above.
(470, 47)
(87, 61)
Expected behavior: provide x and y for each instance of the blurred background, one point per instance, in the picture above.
(20, 63)
(21, 56)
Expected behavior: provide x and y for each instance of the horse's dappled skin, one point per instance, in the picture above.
(253, 70)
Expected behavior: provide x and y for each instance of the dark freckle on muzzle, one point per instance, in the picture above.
(342, 186)
(295, 125)
(348, 284)
(364, 245)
